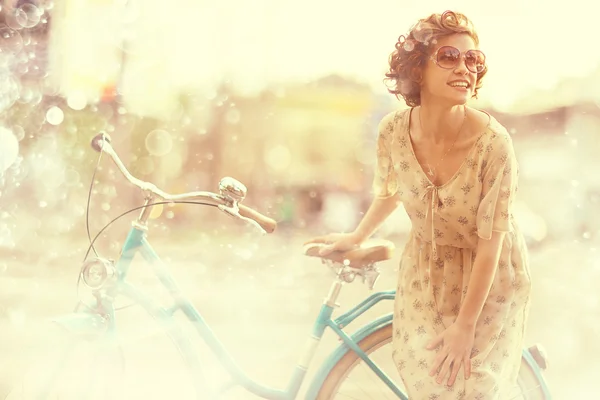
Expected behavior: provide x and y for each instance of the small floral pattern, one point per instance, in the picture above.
(447, 223)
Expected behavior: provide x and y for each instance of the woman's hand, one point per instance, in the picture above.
(457, 343)
(336, 242)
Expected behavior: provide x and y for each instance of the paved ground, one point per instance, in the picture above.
(260, 296)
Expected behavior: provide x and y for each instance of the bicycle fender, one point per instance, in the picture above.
(340, 351)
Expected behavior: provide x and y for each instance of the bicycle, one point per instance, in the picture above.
(107, 279)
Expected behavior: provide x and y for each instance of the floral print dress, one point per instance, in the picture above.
(447, 223)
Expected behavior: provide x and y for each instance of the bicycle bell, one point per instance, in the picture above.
(232, 188)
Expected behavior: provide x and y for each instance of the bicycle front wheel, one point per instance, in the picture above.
(144, 364)
(64, 368)
(351, 378)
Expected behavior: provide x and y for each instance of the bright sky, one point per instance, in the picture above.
(529, 43)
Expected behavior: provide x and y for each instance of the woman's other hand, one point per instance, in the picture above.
(336, 242)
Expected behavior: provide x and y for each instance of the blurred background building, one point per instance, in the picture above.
(192, 91)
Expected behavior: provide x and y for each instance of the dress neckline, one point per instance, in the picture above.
(406, 131)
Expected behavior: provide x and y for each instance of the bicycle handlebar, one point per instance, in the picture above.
(228, 204)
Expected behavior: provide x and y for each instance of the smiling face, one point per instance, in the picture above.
(455, 85)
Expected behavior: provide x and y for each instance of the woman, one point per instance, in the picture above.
(464, 284)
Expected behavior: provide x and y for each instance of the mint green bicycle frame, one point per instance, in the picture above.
(85, 322)
(89, 322)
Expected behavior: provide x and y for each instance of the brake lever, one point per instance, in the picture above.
(234, 211)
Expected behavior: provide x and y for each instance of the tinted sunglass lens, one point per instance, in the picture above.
(475, 61)
(447, 57)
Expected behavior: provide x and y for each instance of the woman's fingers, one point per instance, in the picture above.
(438, 363)
(467, 363)
(323, 251)
(445, 369)
(318, 239)
(328, 243)
(333, 242)
(454, 372)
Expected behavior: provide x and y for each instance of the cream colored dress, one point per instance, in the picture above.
(434, 274)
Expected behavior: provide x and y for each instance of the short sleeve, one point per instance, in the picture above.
(385, 181)
(499, 178)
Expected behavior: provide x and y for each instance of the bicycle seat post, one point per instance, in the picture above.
(334, 292)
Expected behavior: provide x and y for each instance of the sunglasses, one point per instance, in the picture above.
(449, 57)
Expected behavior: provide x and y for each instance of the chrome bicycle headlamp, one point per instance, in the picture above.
(96, 272)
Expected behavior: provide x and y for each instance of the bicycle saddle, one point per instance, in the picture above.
(369, 252)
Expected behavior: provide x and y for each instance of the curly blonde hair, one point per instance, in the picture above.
(411, 53)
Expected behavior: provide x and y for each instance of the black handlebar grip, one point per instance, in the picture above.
(96, 141)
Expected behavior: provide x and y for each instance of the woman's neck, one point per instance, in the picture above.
(440, 123)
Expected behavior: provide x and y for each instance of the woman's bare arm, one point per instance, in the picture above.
(379, 210)
(482, 277)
